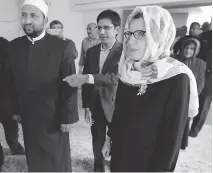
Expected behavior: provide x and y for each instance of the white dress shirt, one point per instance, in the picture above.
(103, 56)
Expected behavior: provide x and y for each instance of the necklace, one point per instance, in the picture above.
(142, 89)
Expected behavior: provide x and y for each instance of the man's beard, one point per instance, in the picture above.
(33, 33)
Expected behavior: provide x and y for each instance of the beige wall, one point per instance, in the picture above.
(10, 19)
(84, 5)
(180, 19)
(72, 21)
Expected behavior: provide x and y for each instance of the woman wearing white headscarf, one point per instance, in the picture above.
(155, 95)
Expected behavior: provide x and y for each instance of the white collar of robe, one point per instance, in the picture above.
(32, 40)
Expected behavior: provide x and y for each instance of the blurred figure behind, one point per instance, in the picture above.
(206, 26)
(180, 32)
(188, 55)
(206, 44)
(194, 32)
(88, 42)
(206, 95)
(57, 29)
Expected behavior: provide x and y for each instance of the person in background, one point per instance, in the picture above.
(88, 42)
(47, 106)
(194, 32)
(7, 105)
(99, 80)
(180, 32)
(206, 26)
(57, 28)
(206, 95)
(188, 55)
(206, 44)
(155, 95)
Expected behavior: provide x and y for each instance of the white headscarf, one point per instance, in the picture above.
(40, 4)
(160, 34)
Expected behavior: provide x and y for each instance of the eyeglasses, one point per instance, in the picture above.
(106, 28)
(139, 34)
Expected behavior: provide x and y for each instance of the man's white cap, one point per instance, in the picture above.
(40, 4)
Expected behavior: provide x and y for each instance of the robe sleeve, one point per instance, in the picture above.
(68, 95)
(87, 89)
(172, 128)
(74, 51)
(117, 107)
(82, 58)
(10, 83)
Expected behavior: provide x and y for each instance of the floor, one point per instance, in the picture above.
(197, 157)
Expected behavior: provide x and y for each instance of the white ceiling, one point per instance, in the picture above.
(86, 5)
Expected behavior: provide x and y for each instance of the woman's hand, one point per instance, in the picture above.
(17, 118)
(146, 71)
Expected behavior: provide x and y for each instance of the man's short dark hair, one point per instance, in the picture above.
(111, 15)
(195, 23)
(56, 22)
(206, 26)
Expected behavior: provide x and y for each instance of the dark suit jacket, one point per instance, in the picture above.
(105, 84)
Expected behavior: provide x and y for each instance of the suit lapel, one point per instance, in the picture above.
(97, 58)
(110, 55)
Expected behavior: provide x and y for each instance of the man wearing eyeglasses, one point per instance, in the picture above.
(99, 80)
